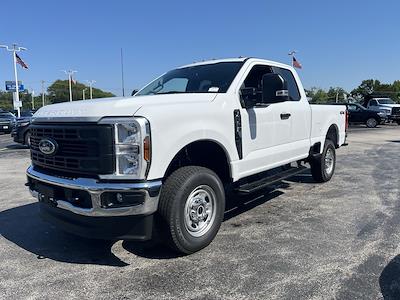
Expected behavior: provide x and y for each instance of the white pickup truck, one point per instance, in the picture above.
(161, 161)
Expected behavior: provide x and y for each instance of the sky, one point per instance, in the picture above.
(339, 43)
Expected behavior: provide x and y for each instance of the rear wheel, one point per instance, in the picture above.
(323, 166)
(192, 204)
(372, 123)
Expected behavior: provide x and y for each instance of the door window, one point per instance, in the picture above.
(254, 79)
(293, 89)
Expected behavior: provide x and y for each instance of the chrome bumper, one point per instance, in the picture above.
(95, 189)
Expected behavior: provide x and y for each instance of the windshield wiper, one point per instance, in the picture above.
(170, 92)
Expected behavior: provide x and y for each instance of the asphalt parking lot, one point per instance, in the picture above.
(300, 241)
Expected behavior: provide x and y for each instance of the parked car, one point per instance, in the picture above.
(7, 121)
(21, 133)
(386, 105)
(118, 168)
(360, 115)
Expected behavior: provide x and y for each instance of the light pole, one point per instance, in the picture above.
(83, 94)
(69, 73)
(42, 82)
(15, 48)
(90, 83)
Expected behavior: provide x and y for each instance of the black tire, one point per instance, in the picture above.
(176, 196)
(27, 139)
(372, 123)
(319, 170)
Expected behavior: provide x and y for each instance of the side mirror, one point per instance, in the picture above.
(248, 97)
(274, 89)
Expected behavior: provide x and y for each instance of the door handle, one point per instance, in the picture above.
(285, 116)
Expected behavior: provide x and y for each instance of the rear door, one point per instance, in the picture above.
(260, 131)
(295, 114)
(277, 133)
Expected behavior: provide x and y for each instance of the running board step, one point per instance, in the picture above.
(254, 186)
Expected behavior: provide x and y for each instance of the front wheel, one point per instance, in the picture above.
(192, 204)
(27, 139)
(323, 166)
(372, 123)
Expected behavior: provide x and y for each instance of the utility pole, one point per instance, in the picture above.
(90, 83)
(70, 73)
(122, 74)
(42, 82)
(15, 48)
(83, 94)
(291, 54)
(33, 99)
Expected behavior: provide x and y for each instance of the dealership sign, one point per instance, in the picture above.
(10, 86)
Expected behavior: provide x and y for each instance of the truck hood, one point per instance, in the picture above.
(94, 110)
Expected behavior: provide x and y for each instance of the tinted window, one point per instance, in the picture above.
(294, 93)
(386, 101)
(6, 114)
(373, 103)
(352, 107)
(209, 78)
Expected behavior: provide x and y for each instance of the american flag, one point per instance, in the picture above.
(21, 62)
(296, 64)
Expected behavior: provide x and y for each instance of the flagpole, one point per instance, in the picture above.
(16, 82)
(15, 48)
(291, 54)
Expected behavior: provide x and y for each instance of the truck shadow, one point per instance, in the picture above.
(236, 205)
(16, 147)
(23, 227)
(389, 280)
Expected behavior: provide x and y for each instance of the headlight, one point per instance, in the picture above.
(132, 147)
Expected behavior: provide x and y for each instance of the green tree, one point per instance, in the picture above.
(374, 88)
(58, 91)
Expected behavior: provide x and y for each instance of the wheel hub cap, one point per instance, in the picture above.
(329, 161)
(200, 210)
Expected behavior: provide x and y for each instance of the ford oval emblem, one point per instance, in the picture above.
(48, 146)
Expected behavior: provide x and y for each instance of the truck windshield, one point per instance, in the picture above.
(386, 101)
(209, 78)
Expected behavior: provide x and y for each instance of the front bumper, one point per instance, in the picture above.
(94, 219)
(394, 117)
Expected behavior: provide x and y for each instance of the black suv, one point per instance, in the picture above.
(7, 121)
(21, 132)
